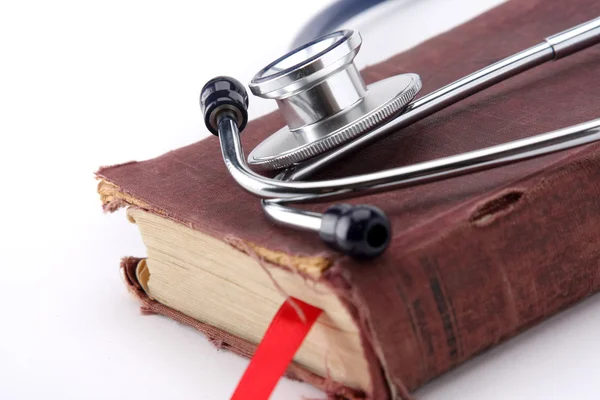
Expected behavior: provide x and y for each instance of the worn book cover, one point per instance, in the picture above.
(473, 261)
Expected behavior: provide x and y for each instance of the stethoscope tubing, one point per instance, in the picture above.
(290, 187)
(278, 194)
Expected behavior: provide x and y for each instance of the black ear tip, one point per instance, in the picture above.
(362, 231)
(224, 93)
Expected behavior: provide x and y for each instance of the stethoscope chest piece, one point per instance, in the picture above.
(324, 101)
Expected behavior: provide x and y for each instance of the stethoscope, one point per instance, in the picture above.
(330, 113)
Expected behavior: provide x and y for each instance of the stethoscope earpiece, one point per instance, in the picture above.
(224, 93)
(330, 113)
(361, 231)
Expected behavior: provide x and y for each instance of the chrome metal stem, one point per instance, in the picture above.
(299, 219)
(554, 47)
(395, 178)
(575, 39)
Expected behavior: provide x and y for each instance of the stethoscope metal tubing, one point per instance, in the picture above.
(290, 216)
(285, 192)
(287, 188)
(399, 177)
(443, 168)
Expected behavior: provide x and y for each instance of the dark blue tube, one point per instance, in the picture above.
(332, 17)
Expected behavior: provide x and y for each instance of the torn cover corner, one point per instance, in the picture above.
(223, 339)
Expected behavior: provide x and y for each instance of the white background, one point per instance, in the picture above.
(84, 84)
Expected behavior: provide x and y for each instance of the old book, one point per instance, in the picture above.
(473, 261)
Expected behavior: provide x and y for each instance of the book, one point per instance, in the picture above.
(474, 260)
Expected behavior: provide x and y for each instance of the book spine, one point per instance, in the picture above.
(481, 274)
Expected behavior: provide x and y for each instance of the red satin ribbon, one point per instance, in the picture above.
(276, 350)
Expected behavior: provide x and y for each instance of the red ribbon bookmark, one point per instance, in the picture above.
(276, 350)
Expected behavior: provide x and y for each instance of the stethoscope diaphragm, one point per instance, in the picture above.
(324, 101)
